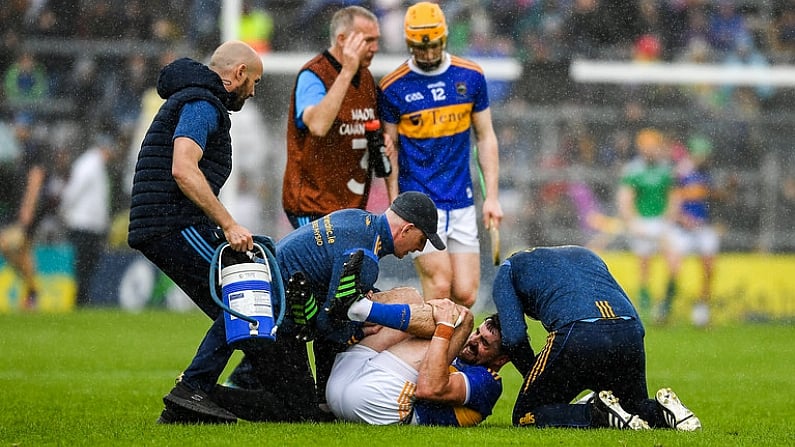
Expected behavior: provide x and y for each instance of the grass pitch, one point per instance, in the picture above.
(96, 377)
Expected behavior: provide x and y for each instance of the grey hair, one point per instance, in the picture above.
(342, 21)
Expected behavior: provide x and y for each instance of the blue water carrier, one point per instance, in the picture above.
(249, 291)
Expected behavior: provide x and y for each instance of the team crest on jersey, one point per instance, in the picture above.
(461, 88)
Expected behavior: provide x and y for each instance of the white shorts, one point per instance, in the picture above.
(703, 240)
(458, 229)
(372, 387)
(648, 235)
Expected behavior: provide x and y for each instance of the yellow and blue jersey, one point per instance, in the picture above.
(694, 190)
(433, 113)
(484, 387)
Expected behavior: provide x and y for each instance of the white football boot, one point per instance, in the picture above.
(608, 413)
(676, 414)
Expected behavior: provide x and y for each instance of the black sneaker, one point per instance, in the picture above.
(174, 415)
(606, 412)
(349, 289)
(302, 306)
(186, 406)
(167, 417)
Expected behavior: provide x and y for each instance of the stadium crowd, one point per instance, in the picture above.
(81, 70)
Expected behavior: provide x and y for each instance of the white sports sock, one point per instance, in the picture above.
(360, 310)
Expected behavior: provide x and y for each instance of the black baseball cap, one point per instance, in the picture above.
(419, 209)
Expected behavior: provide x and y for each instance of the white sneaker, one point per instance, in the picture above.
(700, 314)
(608, 413)
(676, 414)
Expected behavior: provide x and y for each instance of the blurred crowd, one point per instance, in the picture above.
(74, 71)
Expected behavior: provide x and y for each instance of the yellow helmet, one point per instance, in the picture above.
(648, 138)
(425, 24)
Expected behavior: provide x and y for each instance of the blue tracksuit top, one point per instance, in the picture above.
(320, 249)
(556, 286)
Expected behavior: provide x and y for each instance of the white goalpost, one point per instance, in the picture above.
(605, 72)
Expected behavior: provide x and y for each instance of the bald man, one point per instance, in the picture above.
(185, 159)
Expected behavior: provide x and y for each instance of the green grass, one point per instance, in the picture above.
(96, 377)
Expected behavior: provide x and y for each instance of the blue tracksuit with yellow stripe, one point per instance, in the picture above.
(595, 337)
(319, 250)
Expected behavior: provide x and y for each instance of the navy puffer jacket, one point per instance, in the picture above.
(158, 207)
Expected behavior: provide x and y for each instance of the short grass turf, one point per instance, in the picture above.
(97, 377)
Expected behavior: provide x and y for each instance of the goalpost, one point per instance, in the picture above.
(591, 71)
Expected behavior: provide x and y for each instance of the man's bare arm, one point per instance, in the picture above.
(192, 183)
(392, 179)
(434, 381)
